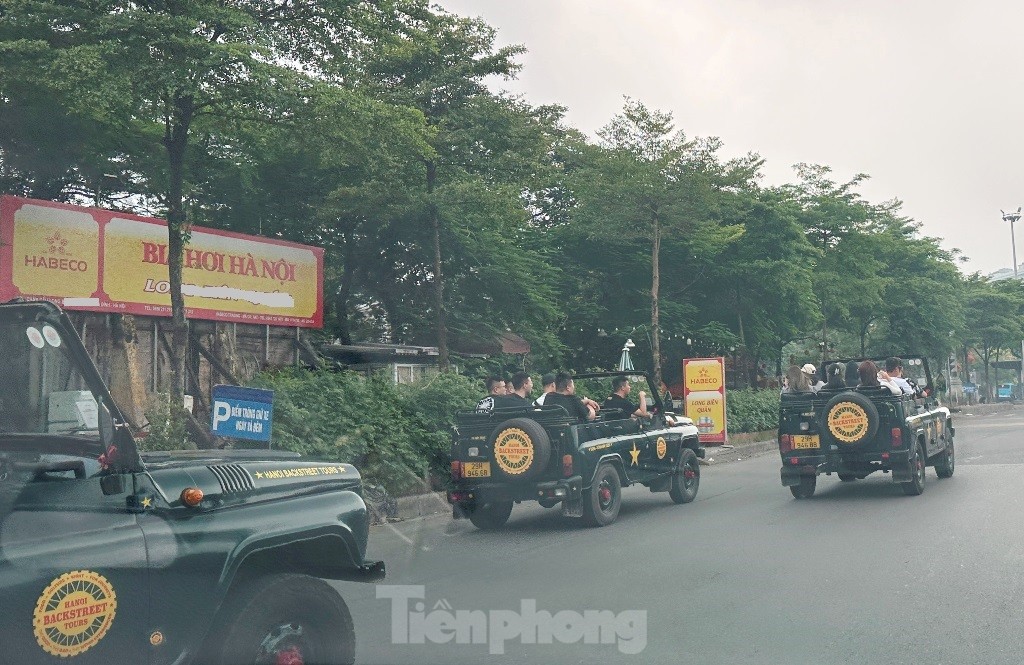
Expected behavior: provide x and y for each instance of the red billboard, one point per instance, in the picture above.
(99, 260)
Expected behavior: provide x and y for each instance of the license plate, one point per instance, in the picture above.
(806, 441)
(476, 469)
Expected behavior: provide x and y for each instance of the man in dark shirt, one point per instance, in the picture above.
(522, 386)
(565, 396)
(496, 397)
(618, 400)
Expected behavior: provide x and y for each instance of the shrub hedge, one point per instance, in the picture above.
(396, 435)
(750, 410)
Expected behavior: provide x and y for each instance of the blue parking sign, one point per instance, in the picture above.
(242, 413)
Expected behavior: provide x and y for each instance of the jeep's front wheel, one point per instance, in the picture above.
(602, 501)
(285, 619)
(805, 488)
(686, 482)
(490, 516)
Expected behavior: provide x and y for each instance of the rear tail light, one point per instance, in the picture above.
(897, 437)
(785, 443)
(456, 470)
(794, 460)
(885, 457)
(566, 465)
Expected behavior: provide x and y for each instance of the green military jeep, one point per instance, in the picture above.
(112, 557)
(503, 456)
(854, 432)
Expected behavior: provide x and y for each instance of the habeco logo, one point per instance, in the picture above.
(57, 256)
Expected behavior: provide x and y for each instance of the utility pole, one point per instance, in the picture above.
(1012, 218)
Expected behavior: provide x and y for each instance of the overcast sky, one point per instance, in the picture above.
(924, 96)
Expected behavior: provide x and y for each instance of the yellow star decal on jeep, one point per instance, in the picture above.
(635, 454)
(147, 502)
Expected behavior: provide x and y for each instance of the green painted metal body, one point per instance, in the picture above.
(630, 444)
(71, 502)
(922, 423)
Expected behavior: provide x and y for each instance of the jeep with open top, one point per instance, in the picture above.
(109, 556)
(854, 432)
(503, 456)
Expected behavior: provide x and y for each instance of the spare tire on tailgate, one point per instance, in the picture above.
(521, 449)
(849, 419)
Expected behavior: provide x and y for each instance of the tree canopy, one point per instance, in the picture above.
(452, 214)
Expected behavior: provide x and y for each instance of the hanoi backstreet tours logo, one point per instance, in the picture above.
(413, 623)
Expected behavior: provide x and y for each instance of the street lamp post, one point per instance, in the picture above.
(1012, 218)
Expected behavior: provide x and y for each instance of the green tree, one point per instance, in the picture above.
(647, 184)
(437, 63)
(991, 311)
(765, 276)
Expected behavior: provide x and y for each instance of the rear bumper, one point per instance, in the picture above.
(566, 489)
(369, 571)
(795, 467)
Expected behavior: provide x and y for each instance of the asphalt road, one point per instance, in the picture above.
(860, 573)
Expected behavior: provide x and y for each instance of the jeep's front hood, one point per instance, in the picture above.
(239, 476)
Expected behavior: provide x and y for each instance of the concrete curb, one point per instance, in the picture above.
(420, 505)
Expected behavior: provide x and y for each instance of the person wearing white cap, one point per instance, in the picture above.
(812, 377)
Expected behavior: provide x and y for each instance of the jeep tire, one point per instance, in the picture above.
(918, 462)
(686, 481)
(601, 503)
(525, 433)
(855, 400)
(805, 488)
(490, 516)
(284, 618)
(945, 462)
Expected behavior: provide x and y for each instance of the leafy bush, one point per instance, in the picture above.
(750, 410)
(167, 429)
(394, 434)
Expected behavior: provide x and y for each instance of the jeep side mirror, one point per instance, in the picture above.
(112, 485)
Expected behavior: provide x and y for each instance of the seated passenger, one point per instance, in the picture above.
(565, 396)
(522, 386)
(870, 377)
(617, 400)
(836, 377)
(496, 396)
(852, 376)
(815, 383)
(894, 368)
(547, 383)
(796, 381)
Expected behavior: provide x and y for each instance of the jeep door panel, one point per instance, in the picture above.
(73, 570)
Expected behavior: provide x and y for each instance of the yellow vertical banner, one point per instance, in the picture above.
(704, 397)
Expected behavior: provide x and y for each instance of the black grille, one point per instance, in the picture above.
(233, 478)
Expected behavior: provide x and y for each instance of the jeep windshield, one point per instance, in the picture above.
(41, 388)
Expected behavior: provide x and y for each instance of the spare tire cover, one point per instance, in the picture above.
(849, 419)
(521, 448)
